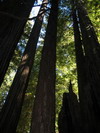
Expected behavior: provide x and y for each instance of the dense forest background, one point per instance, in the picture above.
(66, 67)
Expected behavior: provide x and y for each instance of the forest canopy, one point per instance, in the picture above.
(49, 66)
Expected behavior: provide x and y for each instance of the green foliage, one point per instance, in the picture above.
(66, 62)
(93, 7)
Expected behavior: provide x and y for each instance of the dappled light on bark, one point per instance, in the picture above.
(55, 56)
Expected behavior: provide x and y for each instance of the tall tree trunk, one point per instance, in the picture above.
(80, 58)
(11, 34)
(86, 103)
(12, 108)
(88, 24)
(92, 52)
(91, 44)
(92, 49)
(93, 76)
(43, 118)
(93, 61)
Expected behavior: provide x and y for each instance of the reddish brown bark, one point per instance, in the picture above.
(43, 118)
(12, 108)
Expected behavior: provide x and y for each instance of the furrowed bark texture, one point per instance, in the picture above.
(89, 96)
(86, 112)
(92, 49)
(12, 108)
(93, 62)
(93, 78)
(86, 103)
(43, 118)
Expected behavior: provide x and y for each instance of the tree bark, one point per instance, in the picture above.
(86, 104)
(65, 124)
(11, 33)
(92, 49)
(69, 120)
(93, 77)
(43, 118)
(93, 61)
(12, 108)
(75, 111)
(88, 24)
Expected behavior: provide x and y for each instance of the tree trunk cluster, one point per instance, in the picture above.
(11, 29)
(43, 117)
(88, 60)
(75, 116)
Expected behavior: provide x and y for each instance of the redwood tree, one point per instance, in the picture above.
(87, 67)
(12, 108)
(87, 114)
(43, 118)
(12, 30)
(92, 51)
